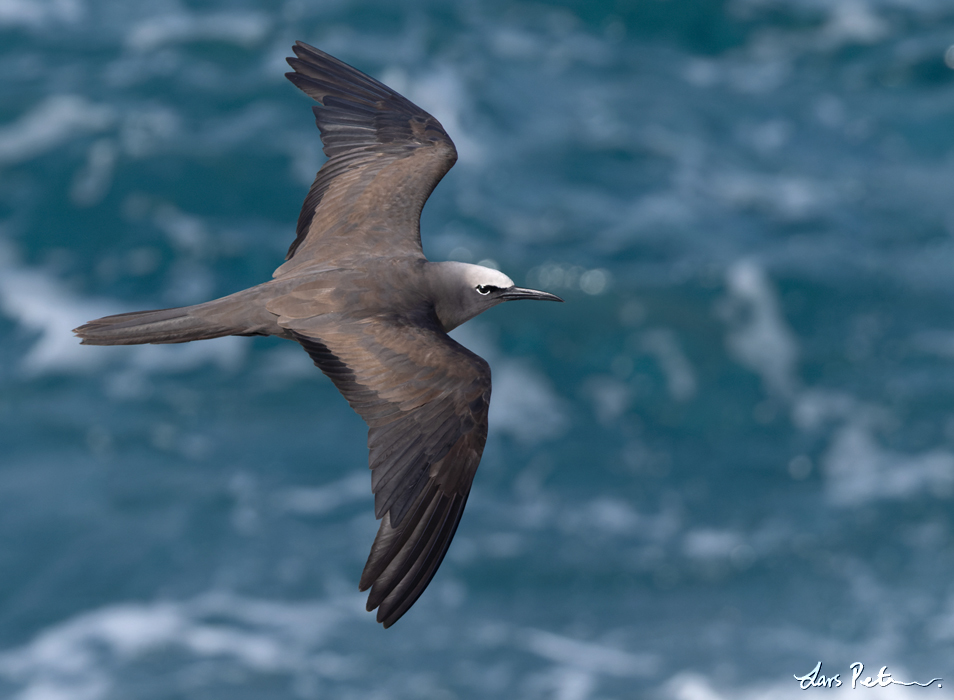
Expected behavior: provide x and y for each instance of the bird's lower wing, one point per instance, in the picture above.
(425, 400)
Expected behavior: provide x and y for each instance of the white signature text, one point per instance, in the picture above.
(816, 679)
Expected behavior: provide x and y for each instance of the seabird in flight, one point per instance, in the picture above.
(357, 293)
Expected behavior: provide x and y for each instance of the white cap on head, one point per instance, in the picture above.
(478, 274)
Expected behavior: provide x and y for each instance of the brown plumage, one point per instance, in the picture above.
(360, 297)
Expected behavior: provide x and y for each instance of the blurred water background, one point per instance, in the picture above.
(728, 456)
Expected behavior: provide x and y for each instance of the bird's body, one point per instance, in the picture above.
(373, 313)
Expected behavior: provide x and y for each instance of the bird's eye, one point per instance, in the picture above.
(486, 289)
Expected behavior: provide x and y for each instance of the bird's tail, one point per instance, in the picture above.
(162, 326)
(239, 314)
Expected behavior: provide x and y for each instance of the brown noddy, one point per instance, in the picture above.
(373, 313)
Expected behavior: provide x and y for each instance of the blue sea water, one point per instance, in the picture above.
(728, 456)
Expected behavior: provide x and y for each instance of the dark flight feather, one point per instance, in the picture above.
(425, 399)
(366, 129)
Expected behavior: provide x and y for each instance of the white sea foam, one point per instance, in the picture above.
(75, 659)
(51, 123)
(758, 337)
(859, 470)
(185, 231)
(854, 21)
(147, 129)
(611, 515)
(818, 408)
(39, 13)
(92, 182)
(42, 305)
(611, 397)
(790, 198)
(355, 488)
(662, 344)
(236, 27)
(524, 402)
(589, 657)
(856, 468)
(605, 517)
(848, 22)
(513, 43)
(710, 544)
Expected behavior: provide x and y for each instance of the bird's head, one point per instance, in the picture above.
(462, 291)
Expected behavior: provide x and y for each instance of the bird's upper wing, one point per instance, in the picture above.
(425, 399)
(386, 156)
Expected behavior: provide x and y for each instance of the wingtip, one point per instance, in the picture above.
(301, 47)
(386, 618)
(302, 51)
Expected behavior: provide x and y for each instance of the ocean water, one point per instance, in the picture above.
(728, 456)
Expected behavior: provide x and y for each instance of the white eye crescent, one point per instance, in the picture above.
(485, 289)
